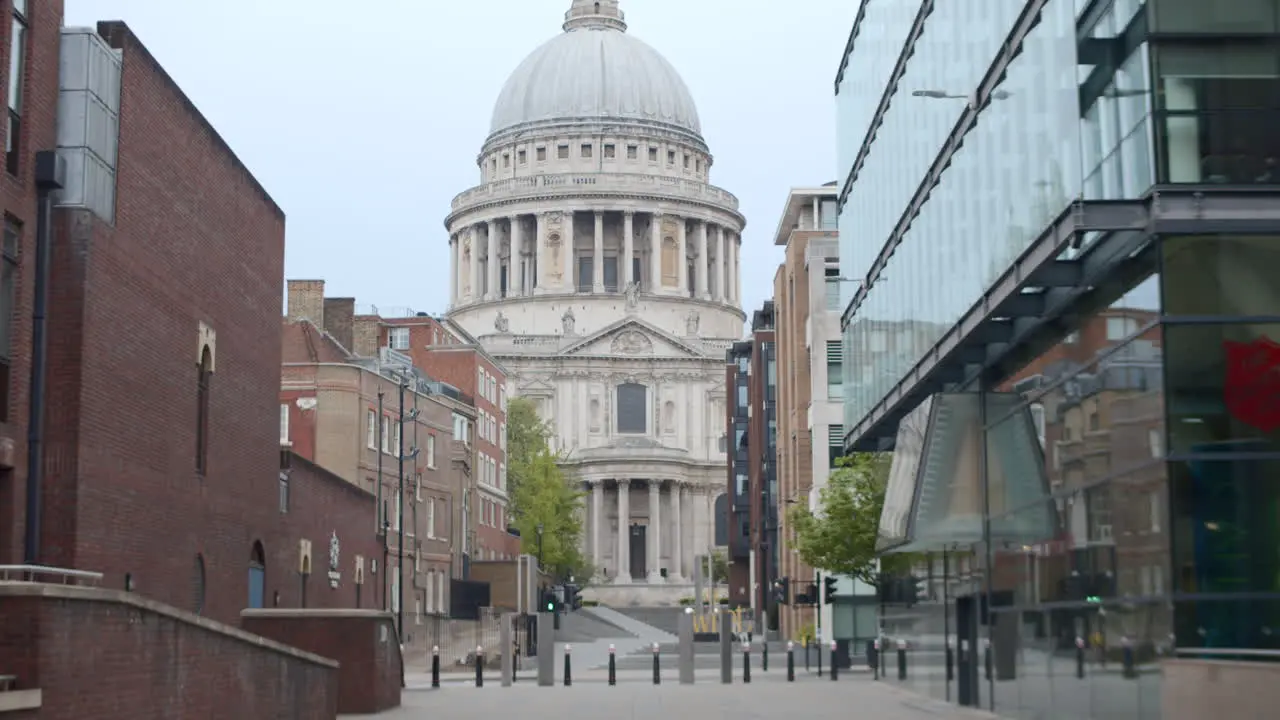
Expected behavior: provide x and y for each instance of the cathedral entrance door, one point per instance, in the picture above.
(638, 545)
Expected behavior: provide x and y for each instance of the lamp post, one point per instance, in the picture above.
(538, 530)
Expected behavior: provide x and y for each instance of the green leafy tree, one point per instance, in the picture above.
(841, 537)
(541, 495)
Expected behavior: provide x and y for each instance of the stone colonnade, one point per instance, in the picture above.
(666, 531)
(523, 255)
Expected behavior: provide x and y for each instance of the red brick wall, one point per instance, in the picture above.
(124, 496)
(302, 425)
(111, 655)
(18, 202)
(370, 675)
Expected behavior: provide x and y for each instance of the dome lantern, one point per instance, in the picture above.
(594, 15)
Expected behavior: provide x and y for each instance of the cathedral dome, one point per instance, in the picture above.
(592, 72)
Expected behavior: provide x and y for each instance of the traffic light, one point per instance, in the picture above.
(782, 591)
(912, 590)
(572, 596)
(547, 600)
(828, 589)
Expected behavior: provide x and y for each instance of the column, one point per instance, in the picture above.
(719, 294)
(691, 549)
(628, 247)
(492, 290)
(515, 275)
(539, 252)
(569, 253)
(453, 270)
(677, 541)
(655, 531)
(597, 523)
(622, 575)
(597, 255)
(682, 259)
(475, 263)
(731, 266)
(703, 293)
(655, 253)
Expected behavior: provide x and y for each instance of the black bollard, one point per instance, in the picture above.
(875, 660)
(435, 667)
(1130, 666)
(902, 659)
(951, 663)
(746, 663)
(764, 656)
(479, 666)
(568, 673)
(819, 649)
(806, 654)
(986, 659)
(1080, 658)
(657, 672)
(791, 662)
(613, 668)
(835, 664)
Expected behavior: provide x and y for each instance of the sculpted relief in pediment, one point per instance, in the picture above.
(631, 342)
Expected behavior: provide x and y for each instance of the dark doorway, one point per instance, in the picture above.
(967, 657)
(257, 576)
(503, 281)
(636, 266)
(638, 569)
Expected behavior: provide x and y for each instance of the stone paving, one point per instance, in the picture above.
(810, 697)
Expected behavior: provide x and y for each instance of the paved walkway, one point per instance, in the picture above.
(812, 698)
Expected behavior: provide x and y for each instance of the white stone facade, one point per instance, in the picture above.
(600, 266)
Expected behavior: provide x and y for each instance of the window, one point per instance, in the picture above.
(502, 399)
(417, 487)
(284, 492)
(671, 157)
(480, 384)
(502, 475)
(653, 154)
(431, 591)
(522, 157)
(8, 299)
(633, 408)
(386, 434)
(633, 152)
(686, 162)
(398, 338)
(204, 376)
(502, 435)
(441, 579)
(493, 389)
(284, 423)
(396, 437)
(586, 150)
(493, 165)
(371, 430)
(431, 451)
(541, 154)
(1118, 328)
(609, 151)
(562, 152)
(431, 517)
(835, 376)
(17, 78)
(395, 519)
(506, 160)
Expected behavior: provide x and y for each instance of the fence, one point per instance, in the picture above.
(458, 639)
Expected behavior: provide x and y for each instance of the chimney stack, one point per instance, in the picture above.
(306, 301)
(339, 317)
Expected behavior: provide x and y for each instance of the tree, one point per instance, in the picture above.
(841, 537)
(541, 495)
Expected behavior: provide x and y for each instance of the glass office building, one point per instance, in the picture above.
(1065, 215)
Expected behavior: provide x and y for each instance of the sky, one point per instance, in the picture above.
(363, 119)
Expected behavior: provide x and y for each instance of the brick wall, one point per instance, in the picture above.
(364, 642)
(108, 654)
(18, 203)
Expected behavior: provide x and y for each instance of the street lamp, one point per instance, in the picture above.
(538, 530)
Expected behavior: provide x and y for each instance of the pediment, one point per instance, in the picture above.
(632, 338)
(534, 386)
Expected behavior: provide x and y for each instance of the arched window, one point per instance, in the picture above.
(257, 576)
(197, 585)
(633, 413)
(722, 519)
(205, 374)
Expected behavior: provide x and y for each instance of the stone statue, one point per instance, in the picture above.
(633, 294)
(691, 322)
(501, 323)
(567, 320)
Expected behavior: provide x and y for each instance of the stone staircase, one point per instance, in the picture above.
(666, 619)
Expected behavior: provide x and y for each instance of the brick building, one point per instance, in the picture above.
(445, 352)
(751, 370)
(806, 296)
(343, 412)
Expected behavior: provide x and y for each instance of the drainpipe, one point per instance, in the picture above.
(50, 176)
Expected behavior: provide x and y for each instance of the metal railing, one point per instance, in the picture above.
(47, 574)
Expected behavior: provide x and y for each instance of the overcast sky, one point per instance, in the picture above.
(363, 119)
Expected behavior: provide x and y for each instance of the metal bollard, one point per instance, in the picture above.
(613, 667)
(902, 659)
(568, 674)
(875, 661)
(951, 663)
(791, 662)
(479, 666)
(1128, 661)
(986, 659)
(806, 654)
(834, 662)
(764, 655)
(657, 673)
(746, 662)
(819, 649)
(1080, 657)
(435, 666)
